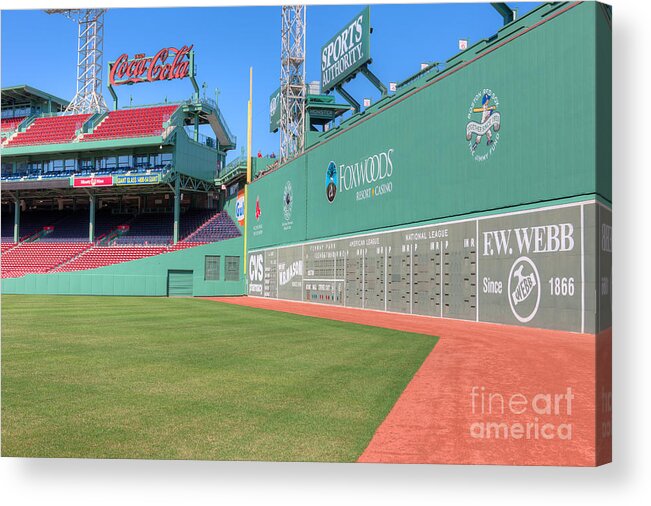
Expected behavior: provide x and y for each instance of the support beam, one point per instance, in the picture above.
(505, 11)
(16, 219)
(115, 97)
(196, 127)
(348, 98)
(192, 74)
(92, 198)
(374, 80)
(177, 207)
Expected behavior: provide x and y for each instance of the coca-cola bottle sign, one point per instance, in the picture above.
(168, 63)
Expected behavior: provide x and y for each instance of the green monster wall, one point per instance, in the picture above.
(143, 277)
(407, 159)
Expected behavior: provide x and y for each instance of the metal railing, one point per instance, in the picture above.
(232, 166)
(431, 67)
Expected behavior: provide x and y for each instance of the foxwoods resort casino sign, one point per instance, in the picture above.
(369, 177)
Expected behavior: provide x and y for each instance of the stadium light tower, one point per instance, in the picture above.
(90, 52)
(292, 82)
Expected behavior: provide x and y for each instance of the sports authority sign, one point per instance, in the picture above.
(346, 52)
(91, 182)
(168, 63)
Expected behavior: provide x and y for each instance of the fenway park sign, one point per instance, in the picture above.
(168, 63)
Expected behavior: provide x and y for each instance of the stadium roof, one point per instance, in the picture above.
(24, 93)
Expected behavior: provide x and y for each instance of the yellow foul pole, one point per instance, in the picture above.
(248, 163)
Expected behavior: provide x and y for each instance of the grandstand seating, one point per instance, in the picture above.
(193, 219)
(73, 226)
(7, 235)
(7, 245)
(137, 122)
(147, 229)
(106, 222)
(101, 256)
(10, 124)
(31, 222)
(184, 245)
(218, 228)
(49, 130)
(66, 249)
(38, 257)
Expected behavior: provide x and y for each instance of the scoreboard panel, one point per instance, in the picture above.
(536, 268)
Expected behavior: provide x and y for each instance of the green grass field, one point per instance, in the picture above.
(112, 377)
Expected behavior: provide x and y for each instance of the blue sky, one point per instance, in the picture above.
(40, 50)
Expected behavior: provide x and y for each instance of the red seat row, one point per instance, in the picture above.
(101, 256)
(7, 246)
(40, 257)
(9, 124)
(50, 130)
(137, 122)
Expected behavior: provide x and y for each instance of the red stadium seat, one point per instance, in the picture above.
(49, 130)
(137, 122)
(63, 249)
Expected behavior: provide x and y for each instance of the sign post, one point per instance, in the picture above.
(249, 129)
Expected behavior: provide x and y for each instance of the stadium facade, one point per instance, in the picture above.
(479, 190)
(131, 201)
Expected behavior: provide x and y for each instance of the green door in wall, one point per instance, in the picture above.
(179, 283)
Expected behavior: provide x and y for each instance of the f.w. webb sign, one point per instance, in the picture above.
(346, 52)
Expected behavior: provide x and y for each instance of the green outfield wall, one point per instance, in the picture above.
(145, 277)
(412, 157)
(480, 193)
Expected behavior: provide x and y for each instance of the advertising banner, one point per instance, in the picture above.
(86, 182)
(347, 51)
(239, 208)
(137, 179)
(276, 210)
(168, 63)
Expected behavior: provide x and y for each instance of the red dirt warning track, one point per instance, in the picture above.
(537, 387)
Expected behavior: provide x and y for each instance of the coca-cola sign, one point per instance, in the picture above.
(168, 63)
